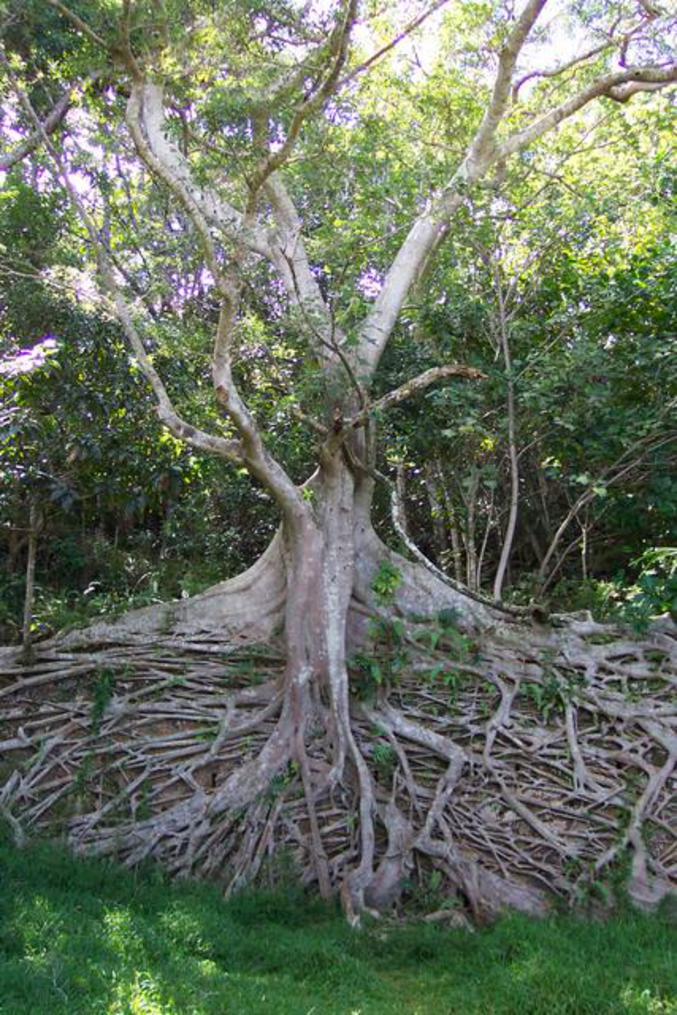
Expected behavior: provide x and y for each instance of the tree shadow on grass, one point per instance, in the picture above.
(82, 936)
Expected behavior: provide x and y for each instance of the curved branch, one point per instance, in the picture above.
(554, 72)
(166, 411)
(414, 386)
(145, 110)
(146, 119)
(620, 85)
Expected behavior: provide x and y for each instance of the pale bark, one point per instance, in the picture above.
(511, 412)
(502, 801)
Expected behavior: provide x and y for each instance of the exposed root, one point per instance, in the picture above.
(503, 771)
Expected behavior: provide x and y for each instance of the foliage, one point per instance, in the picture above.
(645, 591)
(129, 516)
(104, 689)
(82, 936)
(385, 660)
(655, 590)
(386, 583)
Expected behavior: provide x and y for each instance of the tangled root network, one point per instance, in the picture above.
(507, 769)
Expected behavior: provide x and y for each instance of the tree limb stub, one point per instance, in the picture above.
(413, 387)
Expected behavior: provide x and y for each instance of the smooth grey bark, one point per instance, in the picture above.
(509, 535)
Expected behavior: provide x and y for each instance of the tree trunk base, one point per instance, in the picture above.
(491, 765)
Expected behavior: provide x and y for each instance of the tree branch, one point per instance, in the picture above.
(337, 52)
(413, 387)
(400, 37)
(619, 85)
(430, 228)
(609, 477)
(500, 96)
(81, 25)
(293, 265)
(504, 342)
(164, 160)
(562, 68)
(294, 268)
(625, 92)
(146, 120)
(55, 117)
(166, 411)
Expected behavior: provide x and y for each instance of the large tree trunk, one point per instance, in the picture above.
(522, 762)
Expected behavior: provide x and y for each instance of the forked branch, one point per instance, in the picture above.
(432, 226)
(180, 428)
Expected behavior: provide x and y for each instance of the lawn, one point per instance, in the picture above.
(89, 937)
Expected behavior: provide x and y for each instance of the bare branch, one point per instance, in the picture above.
(81, 25)
(53, 119)
(180, 187)
(620, 41)
(400, 37)
(504, 342)
(414, 386)
(431, 227)
(293, 266)
(562, 68)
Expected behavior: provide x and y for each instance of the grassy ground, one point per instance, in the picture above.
(87, 937)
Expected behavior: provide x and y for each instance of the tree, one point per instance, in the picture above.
(219, 103)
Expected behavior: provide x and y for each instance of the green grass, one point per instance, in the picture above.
(87, 937)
